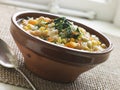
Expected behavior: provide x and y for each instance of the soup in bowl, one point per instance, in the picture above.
(56, 48)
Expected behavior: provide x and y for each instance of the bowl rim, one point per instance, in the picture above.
(14, 21)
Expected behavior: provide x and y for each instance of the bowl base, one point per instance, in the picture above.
(50, 69)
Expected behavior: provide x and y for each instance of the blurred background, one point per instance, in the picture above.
(106, 10)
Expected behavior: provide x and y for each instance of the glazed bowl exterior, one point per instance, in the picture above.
(51, 61)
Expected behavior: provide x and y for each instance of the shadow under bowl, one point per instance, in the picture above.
(51, 61)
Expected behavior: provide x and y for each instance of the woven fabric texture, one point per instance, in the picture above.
(105, 76)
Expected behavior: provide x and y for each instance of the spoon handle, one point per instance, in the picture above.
(33, 87)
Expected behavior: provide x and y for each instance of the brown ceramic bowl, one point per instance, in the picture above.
(51, 61)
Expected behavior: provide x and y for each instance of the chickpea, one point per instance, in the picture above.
(89, 44)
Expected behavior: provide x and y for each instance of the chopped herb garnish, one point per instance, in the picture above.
(64, 26)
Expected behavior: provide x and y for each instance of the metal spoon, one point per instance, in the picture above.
(9, 60)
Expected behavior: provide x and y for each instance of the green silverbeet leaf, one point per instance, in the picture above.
(64, 28)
